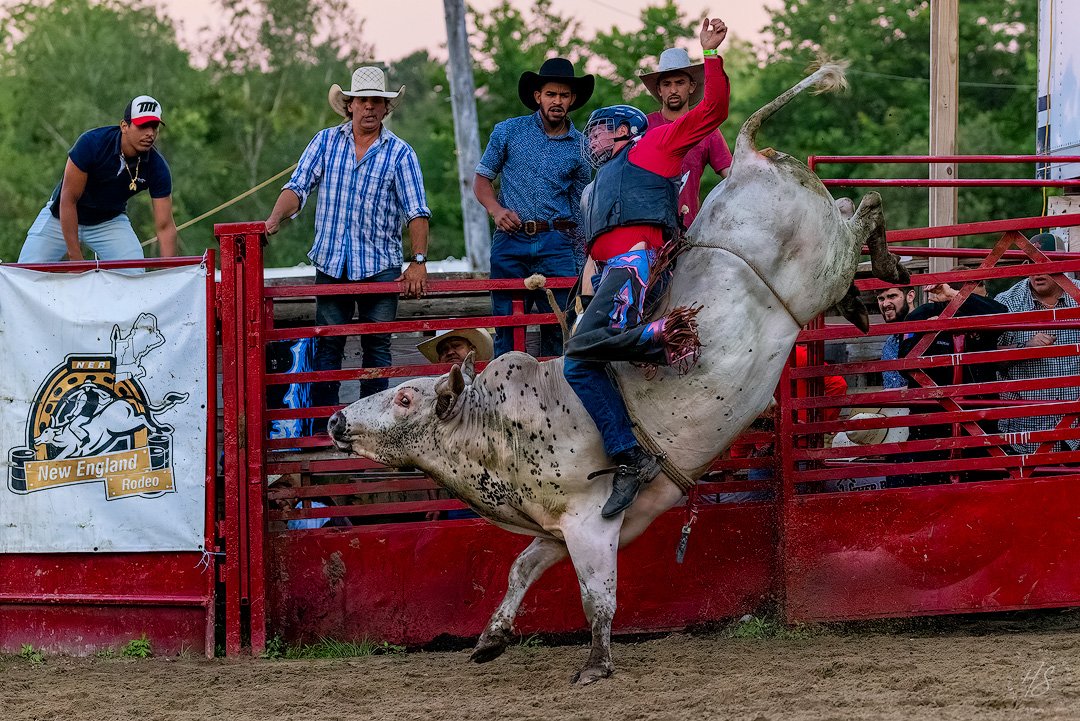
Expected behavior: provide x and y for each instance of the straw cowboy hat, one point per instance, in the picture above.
(872, 436)
(368, 81)
(676, 60)
(479, 337)
(555, 70)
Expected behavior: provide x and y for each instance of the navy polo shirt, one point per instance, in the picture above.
(97, 153)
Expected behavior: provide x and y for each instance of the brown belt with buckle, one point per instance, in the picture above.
(532, 227)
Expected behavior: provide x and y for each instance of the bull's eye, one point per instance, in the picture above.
(404, 401)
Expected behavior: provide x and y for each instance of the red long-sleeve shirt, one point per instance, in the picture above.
(662, 149)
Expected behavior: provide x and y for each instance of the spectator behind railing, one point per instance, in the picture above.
(1039, 292)
(537, 213)
(453, 347)
(290, 480)
(939, 296)
(894, 303)
(369, 183)
(105, 168)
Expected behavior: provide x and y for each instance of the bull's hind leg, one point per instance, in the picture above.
(538, 556)
(593, 544)
(868, 225)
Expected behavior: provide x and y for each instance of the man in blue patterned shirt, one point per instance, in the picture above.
(537, 211)
(369, 184)
(894, 304)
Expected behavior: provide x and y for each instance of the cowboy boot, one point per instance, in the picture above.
(636, 467)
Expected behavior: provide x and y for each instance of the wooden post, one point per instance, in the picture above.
(466, 135)
(944, 79)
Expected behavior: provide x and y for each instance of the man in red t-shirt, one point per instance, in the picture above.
(679, 85)
(631, 212)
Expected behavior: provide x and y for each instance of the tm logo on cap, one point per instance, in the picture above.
(143, 109)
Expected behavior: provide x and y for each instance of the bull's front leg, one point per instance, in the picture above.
(538, 556)
(869, 227)
(593, 544)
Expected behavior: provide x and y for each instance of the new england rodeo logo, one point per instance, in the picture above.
(91, 421)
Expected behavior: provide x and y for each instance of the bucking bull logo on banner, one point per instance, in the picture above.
(91, 422)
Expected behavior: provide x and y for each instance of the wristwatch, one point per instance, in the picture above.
(419, 258)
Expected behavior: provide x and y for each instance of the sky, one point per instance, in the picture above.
(399, 27)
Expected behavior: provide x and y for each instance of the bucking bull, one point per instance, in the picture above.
(769, 251)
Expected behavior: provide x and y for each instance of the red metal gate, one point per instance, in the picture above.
(1001, 532)
(78, 603)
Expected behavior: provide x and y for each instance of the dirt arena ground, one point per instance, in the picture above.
(985, 668)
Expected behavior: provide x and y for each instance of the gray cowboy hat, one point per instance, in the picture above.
(368, 81)
(555, 70)
(676, 60)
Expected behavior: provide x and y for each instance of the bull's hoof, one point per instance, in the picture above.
(592, 674)
(491, 645)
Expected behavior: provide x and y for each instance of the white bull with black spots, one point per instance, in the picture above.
(770, 251)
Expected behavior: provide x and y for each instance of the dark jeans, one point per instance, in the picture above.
(330, 350)
(516, 255)
(611, 329)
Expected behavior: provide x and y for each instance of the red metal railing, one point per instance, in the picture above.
(816, 160)
(965, 543)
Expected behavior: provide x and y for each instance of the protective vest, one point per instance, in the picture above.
(624, 194)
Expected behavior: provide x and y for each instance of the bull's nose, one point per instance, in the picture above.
(336, 425)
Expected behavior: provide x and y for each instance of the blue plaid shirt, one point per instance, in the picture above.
(362, 206)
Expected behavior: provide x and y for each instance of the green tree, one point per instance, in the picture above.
(425, 121)
(67, 66)
(625, 54)
(269, 71)
(886, 110)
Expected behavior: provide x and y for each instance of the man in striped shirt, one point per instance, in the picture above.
(369, 184)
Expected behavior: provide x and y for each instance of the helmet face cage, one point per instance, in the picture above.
(598, 140)
(598, 137)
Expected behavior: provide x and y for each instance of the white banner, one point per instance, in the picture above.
(103, 411)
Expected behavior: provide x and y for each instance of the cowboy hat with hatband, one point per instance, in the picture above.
(367, 82)
(479, 338)
(676, 60)
(555, 70)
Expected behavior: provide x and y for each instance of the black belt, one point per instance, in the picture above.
(532, 227)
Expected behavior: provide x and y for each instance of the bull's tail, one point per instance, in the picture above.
(827, 77)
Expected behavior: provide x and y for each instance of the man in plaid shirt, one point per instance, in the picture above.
(1039, 292)
(370, 185)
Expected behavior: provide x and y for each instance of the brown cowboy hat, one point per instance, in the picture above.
(555, 70)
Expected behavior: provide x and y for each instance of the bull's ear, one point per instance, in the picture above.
(448, 389)
(468, 371)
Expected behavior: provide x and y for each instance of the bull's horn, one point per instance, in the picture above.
(468, 368)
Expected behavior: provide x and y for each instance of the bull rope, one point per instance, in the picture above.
(758, 273)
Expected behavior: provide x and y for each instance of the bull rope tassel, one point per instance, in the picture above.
(536, 281)
(680, 338)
